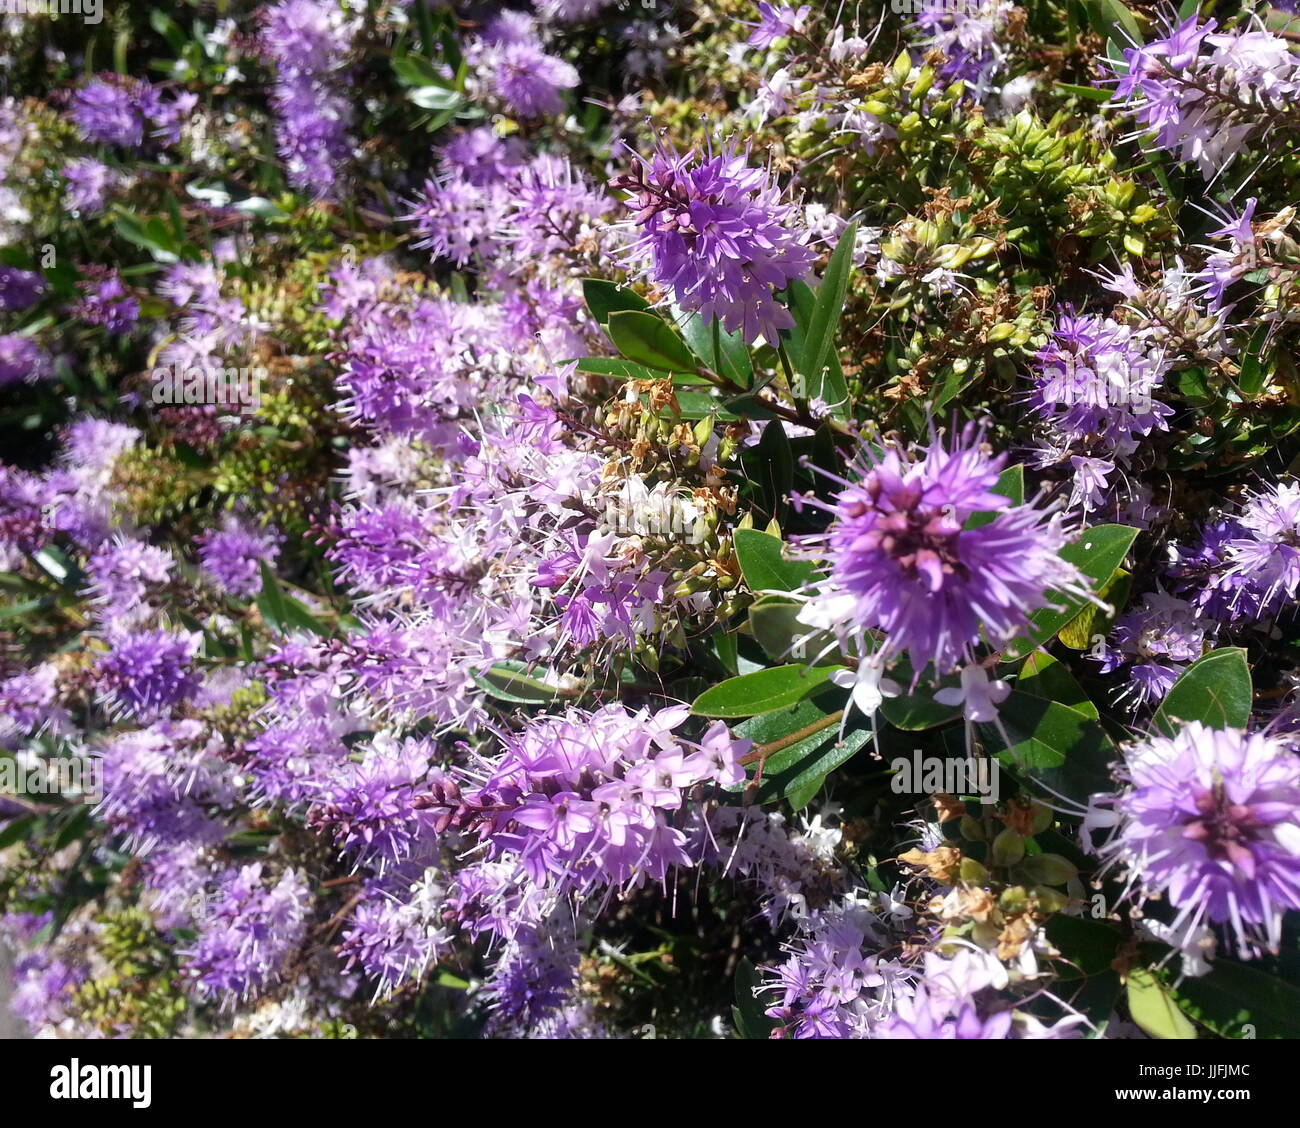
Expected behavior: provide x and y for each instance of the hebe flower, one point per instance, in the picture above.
(309, 40)
(147, 672)
(1096, 380)
(1245, 569)
(585, 801)
(249, 934)
(777, 22)
(716, 233)
(1206, 96)
(19, 289)
(1157, 639)
(832, 985)
(232, 556)
(369, 807)
(393, 938)
(162, 783)
(22, 361)
(968, 34)
(1210, 820)
(904, 560)
(90, 183)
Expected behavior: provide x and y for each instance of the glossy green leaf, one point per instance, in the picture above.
(603, 298)
(1096, 553)
(1153, 1008)
(761, 691)
(508, 680)
(765, 565)
(825, 381)
(649, 340)
(1215, 690)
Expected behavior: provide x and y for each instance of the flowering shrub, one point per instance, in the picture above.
(572, 518)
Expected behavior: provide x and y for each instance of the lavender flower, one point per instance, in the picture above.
(90, 183)
(904, 560)
(1098, 378)
(249, 935)
(777, 23)
(1210, 820)
(22, 361)
(147, 672)
(1156, 639)
(588, 800)
(309, 41)
(716, 233)
(1204, 97)
(232, 556)
(19, 289)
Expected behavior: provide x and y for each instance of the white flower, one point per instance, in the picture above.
(980, 696)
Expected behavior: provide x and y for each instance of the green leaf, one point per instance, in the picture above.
(774, 623)
(1044, 734)
(1043, 676)
(1011, 484)
(761, 692)
(509, 681)
(918, 711)
(796, 772)
(1088, 947)
(1254, 374)
(825, 381)
(764, 564)
(623, 369)
(435, 98)
(725, 353)
(1090, 93)
(770, 464)
(18, 828)
(1097, 553)
(1152, 1007)
(1215, 690)
(748, 1014)
(603, 298)
(270, 602)
(1107, 16)
(1233, 995)
(649, 340)
(1082, 631)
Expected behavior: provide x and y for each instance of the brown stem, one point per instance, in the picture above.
(763, 751)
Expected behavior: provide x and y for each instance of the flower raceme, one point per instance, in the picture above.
(905, 560)
(716, 233)
(586, 801)
(1211, 820)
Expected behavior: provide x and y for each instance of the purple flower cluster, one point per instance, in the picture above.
(147, 672)
(1210, 821)
(1245, 569)
(22, 361)
(969, 36)
(250, 933)
(906, 560)
(715, 232)
(116, 110)
(1095, 386)
(511, 64)
(591, 801)
(232, 556)
(1203, 96)
(1156, 640)
(308, 41)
